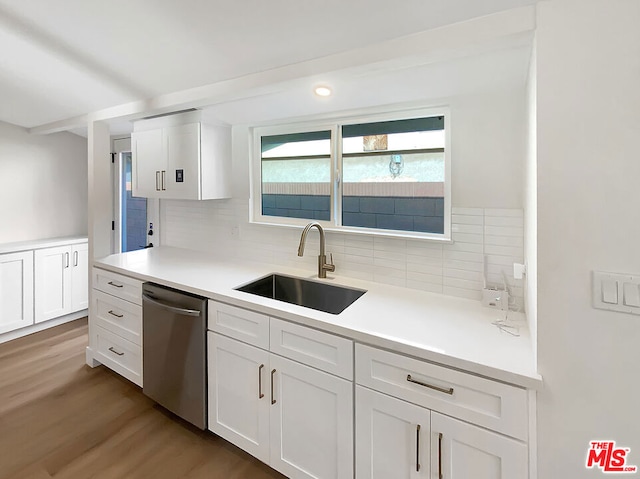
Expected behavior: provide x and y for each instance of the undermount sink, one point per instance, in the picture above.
(303, 292)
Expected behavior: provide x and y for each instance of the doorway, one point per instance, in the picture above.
(133, 211)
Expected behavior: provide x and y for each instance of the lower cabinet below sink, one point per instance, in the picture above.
(295, 418)
(285, 394)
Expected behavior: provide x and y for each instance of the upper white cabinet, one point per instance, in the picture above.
(176, 157)
(61, 281)
(16, 290)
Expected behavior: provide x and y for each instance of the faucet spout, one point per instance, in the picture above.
(323, 267)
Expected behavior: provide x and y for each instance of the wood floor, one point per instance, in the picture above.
(61, 419)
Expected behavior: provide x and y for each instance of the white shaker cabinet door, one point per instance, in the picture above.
(392, 437)
(80, 277)
(16, 290)
(239, 394)
(311, 422)
(182, 178)
(148, 163)
(52, 283)
(460, 451)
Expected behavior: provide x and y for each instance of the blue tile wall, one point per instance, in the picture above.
(407, 214)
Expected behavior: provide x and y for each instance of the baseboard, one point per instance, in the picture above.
(34, 328)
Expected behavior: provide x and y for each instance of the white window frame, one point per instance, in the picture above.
(334, 126)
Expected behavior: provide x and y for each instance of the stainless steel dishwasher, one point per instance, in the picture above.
(174, 351)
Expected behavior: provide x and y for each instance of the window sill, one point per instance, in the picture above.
(429, 237)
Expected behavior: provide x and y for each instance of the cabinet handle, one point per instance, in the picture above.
(116, 285)
(163, 180)
(418, 448)
(75, 258)
(430, 386)
(158, 180)
(260, 393)
(115, 314)
(115, 352)
(440, 455)
(273, 401)
(66, 260)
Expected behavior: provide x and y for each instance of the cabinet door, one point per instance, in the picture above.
(52, 283)
(311, 422)
(238, 394)
(80, 277)
(16, 290)
(460, 451)
(392, 437)
(182, 174)
(148, 162)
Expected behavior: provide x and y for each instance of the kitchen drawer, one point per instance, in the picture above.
(324, 351)
(238, 323)
(118, 316)
(118, 285)
(118, 354)
(484, 402)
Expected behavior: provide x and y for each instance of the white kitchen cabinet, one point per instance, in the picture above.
(311, 422)
(61, 283)
(148, 162)
(80, 276)
(294, 417)
(16, 290)
(115, 319)
(386, 427)
(462, 450)
(189, 161)
(239, 404)
(393, 437)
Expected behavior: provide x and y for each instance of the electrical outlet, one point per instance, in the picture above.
(495, 298)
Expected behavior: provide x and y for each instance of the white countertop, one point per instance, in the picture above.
(41, 243)
(452, 331)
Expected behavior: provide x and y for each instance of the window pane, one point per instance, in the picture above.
(296, 175)
(394, 175)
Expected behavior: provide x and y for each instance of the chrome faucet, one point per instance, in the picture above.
(323, 267)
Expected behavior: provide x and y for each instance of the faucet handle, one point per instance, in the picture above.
(330, 266)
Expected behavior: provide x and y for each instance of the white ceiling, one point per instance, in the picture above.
(65, 58)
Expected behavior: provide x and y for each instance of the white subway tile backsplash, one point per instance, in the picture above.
(467, 220)
(503, 231)
(504, 250)
(517, 221)
(465, 265)
(466, 238)
(419, 285)
(454, 269)
(474, 229)
(424, 278)
(504, 240)
(456, 210)
(463, 256)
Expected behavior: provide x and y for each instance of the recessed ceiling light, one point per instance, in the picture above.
(322, 91)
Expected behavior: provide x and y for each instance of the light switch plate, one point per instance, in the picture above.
(616, 292)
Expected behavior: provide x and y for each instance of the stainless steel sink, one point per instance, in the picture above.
(310, 294)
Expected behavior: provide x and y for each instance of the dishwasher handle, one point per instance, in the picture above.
(174, 309)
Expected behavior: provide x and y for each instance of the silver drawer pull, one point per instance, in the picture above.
(116, 284)
(115, 352)
(430, 386)
(115, 314)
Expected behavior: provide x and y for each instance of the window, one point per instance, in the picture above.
(377, 175)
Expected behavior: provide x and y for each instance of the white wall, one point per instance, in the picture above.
(487, 157)
(43, 185)
(588, 109)
(531, 206)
